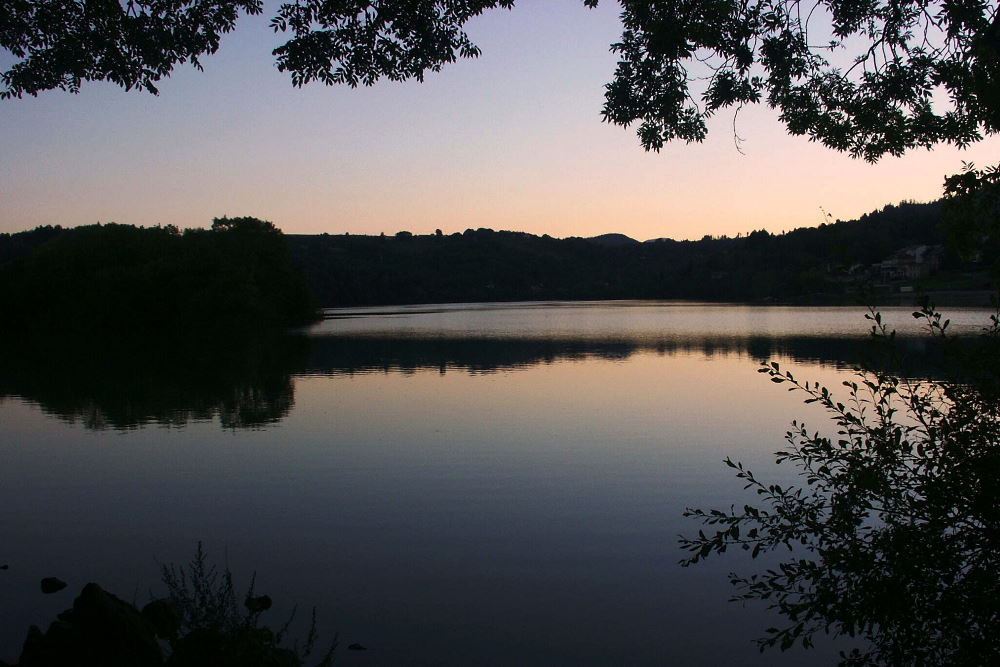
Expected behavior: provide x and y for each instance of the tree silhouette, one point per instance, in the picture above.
(893, 534)
(860, 77)
(115, 276)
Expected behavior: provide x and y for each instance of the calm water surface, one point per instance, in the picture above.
(448, 485)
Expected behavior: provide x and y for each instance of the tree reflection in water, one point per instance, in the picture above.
(245, 381)
(895, 532)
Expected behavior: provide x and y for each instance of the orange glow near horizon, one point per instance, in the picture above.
(512, 140)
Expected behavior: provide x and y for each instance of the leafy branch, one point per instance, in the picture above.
(895, 528)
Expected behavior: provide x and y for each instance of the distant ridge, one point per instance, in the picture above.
(613, 240)
(828, 263)
(833, 262)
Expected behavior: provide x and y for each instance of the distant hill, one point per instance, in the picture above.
(829, 261)
(613, 240)
(161, 277)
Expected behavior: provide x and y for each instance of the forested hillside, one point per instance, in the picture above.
(487, 265)
(245, 271)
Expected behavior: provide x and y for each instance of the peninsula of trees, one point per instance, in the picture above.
(126, 278)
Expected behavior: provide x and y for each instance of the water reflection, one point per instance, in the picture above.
(894, 532)
(377, 353)
(520, 508)
(247, 382)
(127, 383)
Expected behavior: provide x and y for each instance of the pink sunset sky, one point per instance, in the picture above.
(512, 140)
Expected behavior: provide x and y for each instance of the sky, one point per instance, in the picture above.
(512, 140)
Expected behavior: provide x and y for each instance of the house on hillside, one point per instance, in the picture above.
(910, 263)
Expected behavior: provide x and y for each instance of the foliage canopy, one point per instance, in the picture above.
(971, 208)
(870, 78)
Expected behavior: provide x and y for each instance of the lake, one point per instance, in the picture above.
(477, 484)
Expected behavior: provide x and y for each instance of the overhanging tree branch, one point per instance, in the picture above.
(909, 54)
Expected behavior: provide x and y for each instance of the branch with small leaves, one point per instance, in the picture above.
(895, 529)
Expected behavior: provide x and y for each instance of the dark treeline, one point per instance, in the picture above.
(244, 271)
(140, 278)
(487, 265)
